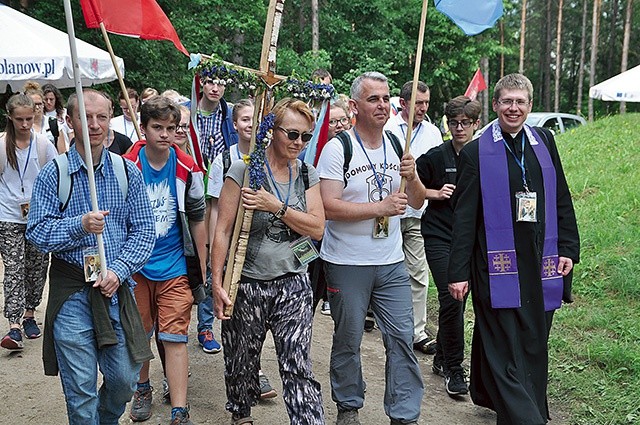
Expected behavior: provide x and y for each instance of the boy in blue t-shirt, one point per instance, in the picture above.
(176, 190)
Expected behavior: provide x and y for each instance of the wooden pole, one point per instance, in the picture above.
(123, 88)
(414, 87)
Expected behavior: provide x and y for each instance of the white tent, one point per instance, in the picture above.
(623, 87)
(32, 50)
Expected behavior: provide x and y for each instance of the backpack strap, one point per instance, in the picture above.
(65, 180)
(3, 154)
(347, 149)
(395, 142)
(226, 161)
(53, 127)
(304, 171)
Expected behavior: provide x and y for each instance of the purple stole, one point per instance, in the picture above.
(504, 282)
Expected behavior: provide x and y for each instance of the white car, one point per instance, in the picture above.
(557, 122)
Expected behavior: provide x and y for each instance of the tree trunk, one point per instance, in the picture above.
(595, 29)
(315, 27)
(484, 67)
(523, 30)
(612, 37)
(546, 60)
(625, 46)
(583, 43)
(556, 97)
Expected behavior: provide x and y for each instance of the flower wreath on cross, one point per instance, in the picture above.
(227, 74)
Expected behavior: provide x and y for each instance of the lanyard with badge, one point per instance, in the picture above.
(380, 224)
(526, 202)
(25, 201)
(303, 247)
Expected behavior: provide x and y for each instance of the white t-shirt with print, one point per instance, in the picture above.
(349, 242)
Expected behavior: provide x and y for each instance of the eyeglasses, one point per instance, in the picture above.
(183, 128)
(520, 103)
(463, 123)
(294, 134)
(343, 121)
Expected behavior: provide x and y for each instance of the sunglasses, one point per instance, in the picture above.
(294, 134)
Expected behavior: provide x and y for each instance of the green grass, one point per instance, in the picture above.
(595, 342)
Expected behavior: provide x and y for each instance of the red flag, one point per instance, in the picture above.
(476, 85)
(136, 18)
(323, 137)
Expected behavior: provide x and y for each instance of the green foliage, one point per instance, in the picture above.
(595, 342)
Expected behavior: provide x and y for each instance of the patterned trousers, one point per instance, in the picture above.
(284, 307)
(25, 271)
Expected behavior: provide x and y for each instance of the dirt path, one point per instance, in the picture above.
(29, 397)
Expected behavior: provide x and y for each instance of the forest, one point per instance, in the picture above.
(568, 45)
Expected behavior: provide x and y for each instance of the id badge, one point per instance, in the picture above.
(527, 207)
(91, 264)
(24, 208)
(381, 227)
(304, 250)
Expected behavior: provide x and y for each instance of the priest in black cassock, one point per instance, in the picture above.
(515, 241)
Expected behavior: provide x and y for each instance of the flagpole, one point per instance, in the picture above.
(414, 87)
(88, 157)
(123, 88)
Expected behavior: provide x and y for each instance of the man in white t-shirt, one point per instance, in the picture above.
(362, 249)
(423, 137)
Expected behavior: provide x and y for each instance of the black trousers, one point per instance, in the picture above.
(450, 348)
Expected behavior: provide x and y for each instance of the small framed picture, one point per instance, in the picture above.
(91, 267)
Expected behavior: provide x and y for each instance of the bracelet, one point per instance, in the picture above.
(280, 213)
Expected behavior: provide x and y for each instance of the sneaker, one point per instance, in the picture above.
(31, 329)
(426, 346)
(141, 406)
(181, 418)
(438, 367)
(13, 340)
(397, 422)
(208, 342)
(266, 390)
(455, 383)
(166, 396)
(326, 308)
(348, 417)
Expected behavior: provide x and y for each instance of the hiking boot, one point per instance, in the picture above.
(455, 383)
(31, 329)
(438, 366)
(208, 342)
(266, 390)
(141, 405)
(348, 417)
(426, 346)
(326, 308)
(13, 340)
(181, 418)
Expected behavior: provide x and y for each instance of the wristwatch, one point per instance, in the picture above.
(281, 211)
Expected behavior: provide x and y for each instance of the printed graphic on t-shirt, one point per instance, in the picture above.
(377, 194)
(164, 207)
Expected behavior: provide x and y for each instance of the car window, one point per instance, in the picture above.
(570, 123)
(552, 124)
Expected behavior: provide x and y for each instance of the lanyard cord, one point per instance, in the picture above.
(520, 162)
(415, 132)
(379, 180)
(26, 164)
(275, 184)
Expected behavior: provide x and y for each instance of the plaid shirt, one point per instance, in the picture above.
(129, 233)
(210, 130)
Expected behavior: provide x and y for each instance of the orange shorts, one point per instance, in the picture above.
(164, 306)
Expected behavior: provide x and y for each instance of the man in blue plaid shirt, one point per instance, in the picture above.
(91, 324)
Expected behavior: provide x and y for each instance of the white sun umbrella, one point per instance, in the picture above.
(33, 50)
(623, 87)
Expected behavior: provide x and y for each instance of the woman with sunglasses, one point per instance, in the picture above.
(274, 291)
(23, 153)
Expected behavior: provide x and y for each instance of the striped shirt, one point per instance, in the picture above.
(129, 233)
(210, 131)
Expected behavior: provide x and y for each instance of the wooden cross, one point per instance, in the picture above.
(264, 100)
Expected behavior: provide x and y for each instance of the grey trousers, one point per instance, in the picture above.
(387, 289)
